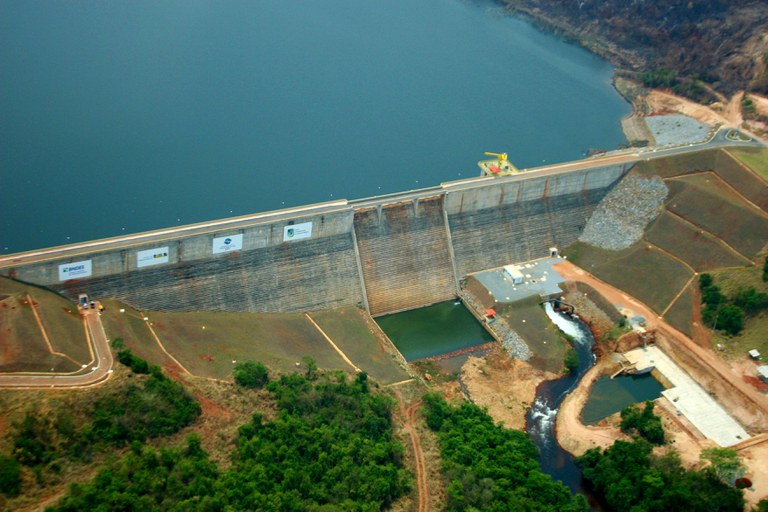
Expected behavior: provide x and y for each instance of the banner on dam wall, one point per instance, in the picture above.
(297, 232)
(152, 257)
(75, 270)
(227, 244)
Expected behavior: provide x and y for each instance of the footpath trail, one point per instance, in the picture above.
(409, 420)
(97, 371)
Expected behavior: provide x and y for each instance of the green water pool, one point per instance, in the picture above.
(433, 330)
(609, 396)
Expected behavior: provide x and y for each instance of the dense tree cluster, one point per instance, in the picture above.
(632, 479)
(490, 468)
(151, 407)
(329, 448)
(149, 480)
(643, 422)
(727, 313)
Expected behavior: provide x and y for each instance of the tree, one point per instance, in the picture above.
(725, 463)
(251, 375)
(730, 319)
(644, 422)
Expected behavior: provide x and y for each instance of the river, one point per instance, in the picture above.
(118, 117)
(540, 420)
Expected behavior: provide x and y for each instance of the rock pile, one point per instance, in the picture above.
(621, 217)
(510, 340)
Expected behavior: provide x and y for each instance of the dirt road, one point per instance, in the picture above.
(573, 273)
(409, 418)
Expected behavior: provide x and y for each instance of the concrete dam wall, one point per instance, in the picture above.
(385, 254)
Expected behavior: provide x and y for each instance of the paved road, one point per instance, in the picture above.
(99, 370)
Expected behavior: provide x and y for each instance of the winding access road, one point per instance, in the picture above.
(97, 371)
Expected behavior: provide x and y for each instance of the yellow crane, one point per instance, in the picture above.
(505, 167)
(501, 156)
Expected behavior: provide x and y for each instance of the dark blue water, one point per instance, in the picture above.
(120, 116)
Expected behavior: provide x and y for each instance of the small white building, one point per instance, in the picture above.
(513, 274)
(754, 354)
(762, 372)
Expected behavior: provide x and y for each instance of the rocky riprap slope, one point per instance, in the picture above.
(621, 218)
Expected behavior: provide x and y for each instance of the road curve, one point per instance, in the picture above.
(96, 372)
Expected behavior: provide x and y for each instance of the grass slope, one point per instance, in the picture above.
(206, 343)
(696, 247)
(22, 345)
(349, 331)
(704, 201)
(642, 271)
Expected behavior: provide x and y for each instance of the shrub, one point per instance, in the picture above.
(10, 476)
(251, 375)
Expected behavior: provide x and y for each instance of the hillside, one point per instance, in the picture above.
(675, 43)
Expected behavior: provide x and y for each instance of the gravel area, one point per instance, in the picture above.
(676, 129)
(621, 217)
(510, 340)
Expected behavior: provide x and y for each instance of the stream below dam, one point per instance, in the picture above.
(540, 420)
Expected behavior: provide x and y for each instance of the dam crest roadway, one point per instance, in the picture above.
(620, 157)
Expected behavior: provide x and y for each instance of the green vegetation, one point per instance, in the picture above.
(10, 476)
(149, 480)
(690, 87)
(728, 313)
(765, 270)
(490, 468)
(646, 424)
(725, 463)
(329, 448)
(251, 375)
(151, 407)
(754, 158)
(630, 478)
(755, 332)
(571, 360)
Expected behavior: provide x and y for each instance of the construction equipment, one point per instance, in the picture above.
(502, 156)
(503, 168)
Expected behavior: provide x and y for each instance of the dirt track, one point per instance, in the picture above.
(409, 419)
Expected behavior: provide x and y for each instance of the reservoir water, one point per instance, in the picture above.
(118, 117)
(433, 330)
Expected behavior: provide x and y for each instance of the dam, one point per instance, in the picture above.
(386, 253)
